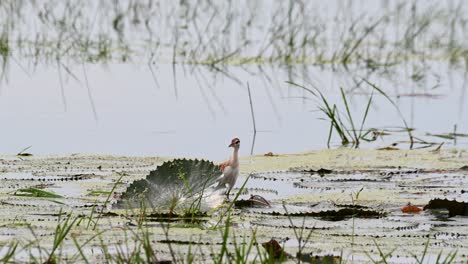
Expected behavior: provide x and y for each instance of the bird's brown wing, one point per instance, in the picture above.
(224, 164)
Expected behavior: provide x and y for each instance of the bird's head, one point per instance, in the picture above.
(235, 143)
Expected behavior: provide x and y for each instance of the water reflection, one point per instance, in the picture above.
(166, 78)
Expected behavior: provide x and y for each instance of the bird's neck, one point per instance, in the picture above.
(235, 155)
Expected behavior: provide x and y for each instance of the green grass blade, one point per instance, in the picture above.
(343, 96)
(225, 239)
(420, 261)
(33, 192)
(450, 257)
(108, 198)
(235, 199)
(301, 86)
(408, 129)
(365, 116)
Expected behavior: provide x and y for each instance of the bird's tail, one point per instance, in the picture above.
(220, 182)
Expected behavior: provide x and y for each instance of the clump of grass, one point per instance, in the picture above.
(301, 237)
(346, 130)
(449, 258)
(194, 209)
(80, 248)
(11, 251)
(61, 232)
(105, 202)
(383, 256)
(407, 128)
(242, 252)
(233, 202)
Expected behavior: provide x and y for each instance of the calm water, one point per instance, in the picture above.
(118, 106)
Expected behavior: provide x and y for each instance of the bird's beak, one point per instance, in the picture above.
(231, 145)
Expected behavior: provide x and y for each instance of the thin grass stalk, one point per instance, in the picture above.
(80, 247)
(108, 199)
(61, 232)
(423, 256)
(253, 119)
(356, 138)
(224, 249)
(234, 200)
(330, 132)
(11, 252)
(408, 129)
(365, 116)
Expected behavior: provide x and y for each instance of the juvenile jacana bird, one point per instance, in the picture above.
(230, 168)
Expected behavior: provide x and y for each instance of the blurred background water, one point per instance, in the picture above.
(170, 78)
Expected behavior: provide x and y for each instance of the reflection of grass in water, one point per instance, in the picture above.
(230, 33)
(4, 53)
(4, 46)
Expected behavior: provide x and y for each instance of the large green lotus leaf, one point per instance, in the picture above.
(171, 183)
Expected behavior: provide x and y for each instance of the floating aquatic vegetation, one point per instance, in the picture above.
(320, 171)
(454, 208)
(173, 182)
(254, 201)
(337, 215)
(33, 192)
(275, 250)
(409, 208)
(316, 259)
(391, 187)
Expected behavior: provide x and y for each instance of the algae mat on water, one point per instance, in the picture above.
(344, 210)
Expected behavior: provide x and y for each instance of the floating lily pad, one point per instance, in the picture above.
(172, 182)
(454, 208)
(338, 215)
(320, 171)
(254, 201)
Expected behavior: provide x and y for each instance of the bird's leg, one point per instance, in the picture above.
(228, 190)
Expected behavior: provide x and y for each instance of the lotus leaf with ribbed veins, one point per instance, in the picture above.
(171, 183)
